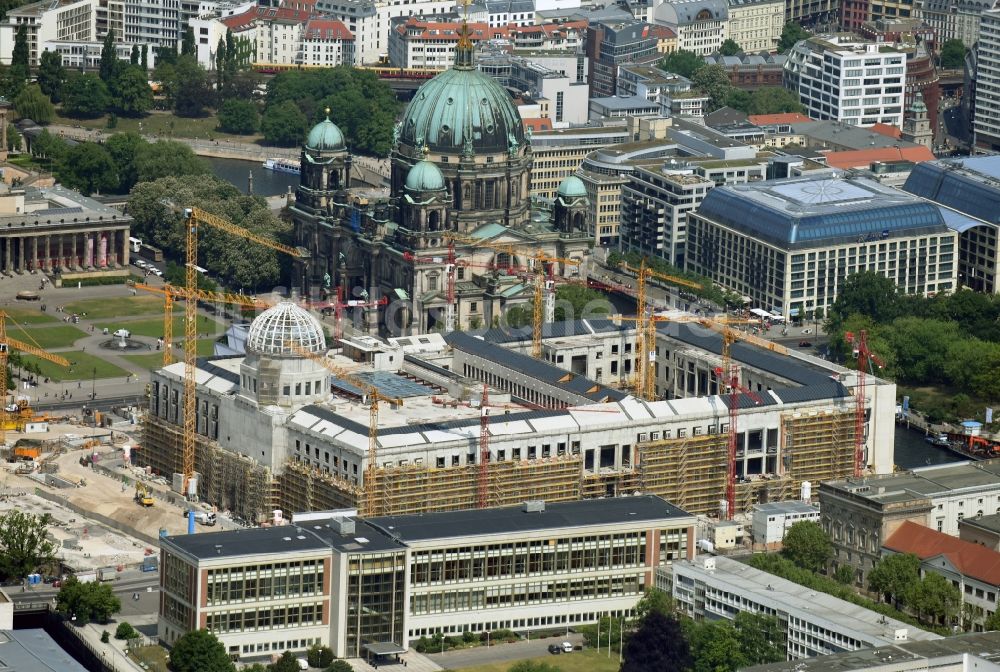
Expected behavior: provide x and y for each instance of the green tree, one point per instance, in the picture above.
(714, 81)
(85, 96)
(51, 74)
(774, 100)
(123, 148)
(894, 577)
(32, 104)
(339, 666)
(577, 302)
(187, 44)
(952, 54)
(682, 62)
(144, 58)
(125, 631)
(87, 602)
(108, 69)
(189, 87)
(654, 600)
(936, 599)
(239, 117)
(791, 34)
(658, 645)
(24, 545)
(730, 48)
(715, 647)
(20, 55)
(807, 545)
(199, 651)
(131, 93)
(843, 575)
(738, 99)
(286, 663)
(283, 124)
(319, 656)
(133, 56)
(88, 168)
(992, 622)
(7, 5)
(761, 638)
(220, 68)
(13, 141)
(164, 158)
(867, 293)
(49, 147)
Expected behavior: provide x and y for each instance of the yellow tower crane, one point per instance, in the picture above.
(645, 332)
(374, 397)
(171, 293)
(193, 219)
(544, 306)
(6, 344)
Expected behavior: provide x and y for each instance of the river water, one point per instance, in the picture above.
(913, 451)
(265, 182)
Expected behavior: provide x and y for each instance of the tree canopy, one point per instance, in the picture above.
(283, 124)
(200, 651)
(790, 35)
(32, 104)
(88, 168)
(123, 148)
(236, 262)
(130, 91)
(715, 647)
(807, 545)
(895, 576)
(574, 302)
(761, 638)
(24, 548)
(165, 158)
(362, 105)
(285, 663)
(730, 47)
(714, 81)
(87, 602)
(51, 74)
(85, 96)
(239, 117)
(682, 62)
(658, 645)
(935, 599)
(952, 54)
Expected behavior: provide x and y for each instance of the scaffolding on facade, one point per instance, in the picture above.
(689, 472)
(819, 445)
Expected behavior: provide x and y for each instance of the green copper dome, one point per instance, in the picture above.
(425, 176)
(572, 187)
(325, 136)
(459, 105)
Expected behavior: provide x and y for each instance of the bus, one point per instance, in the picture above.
(136, 244)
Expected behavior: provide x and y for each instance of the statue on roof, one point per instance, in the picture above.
(512, 145)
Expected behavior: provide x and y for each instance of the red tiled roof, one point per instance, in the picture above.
(972, 560)
(327, 29)
(247, 19)
(662, 32)
(783, 118)
(238, 22)
(538, 124)
(862, 158)
(887, 129)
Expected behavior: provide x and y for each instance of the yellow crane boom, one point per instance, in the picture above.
(374, 397)
(6, 345)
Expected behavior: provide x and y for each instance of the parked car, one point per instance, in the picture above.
(567, 647)
(805, 344)
(555, 649)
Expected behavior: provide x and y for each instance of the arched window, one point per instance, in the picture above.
(434, 221)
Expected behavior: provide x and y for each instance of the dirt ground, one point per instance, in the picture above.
(110, 496)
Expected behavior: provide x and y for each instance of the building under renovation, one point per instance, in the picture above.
(276, 430)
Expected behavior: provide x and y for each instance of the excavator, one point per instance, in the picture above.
(142, 495)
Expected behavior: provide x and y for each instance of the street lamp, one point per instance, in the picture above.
(93, 384)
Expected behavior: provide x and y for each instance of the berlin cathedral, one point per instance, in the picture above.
(461, 166)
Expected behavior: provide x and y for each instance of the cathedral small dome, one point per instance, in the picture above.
(283, 328)
(325, 136)
(572, 187)
(425, 176)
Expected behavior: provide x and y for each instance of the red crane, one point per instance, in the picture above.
(338, 305)
(484, 448)
(729, 375)
(865, 358)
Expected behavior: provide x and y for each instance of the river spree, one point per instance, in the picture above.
(265, 182)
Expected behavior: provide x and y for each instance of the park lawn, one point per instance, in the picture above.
(83, 366)
(152, 658)
(588, 660)
(153, 328)
(154, 360)
(116, 307)
(159, 124)
(48, 338)
(28, 316)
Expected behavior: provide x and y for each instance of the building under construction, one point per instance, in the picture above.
(277, 431)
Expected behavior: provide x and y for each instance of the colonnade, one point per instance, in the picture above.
(79, 250)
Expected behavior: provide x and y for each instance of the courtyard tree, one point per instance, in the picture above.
(790, 35)
(658, 645)
(730, 48)
(87, 602)
(200, 651)
(936, 599)
(952, 54)
(714, 81)
(24, 546)
(51, 74)
(88, 168)
(761, 638)
(807, 545)
(682, 62)
(715, 647)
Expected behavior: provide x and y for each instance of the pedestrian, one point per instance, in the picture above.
(79, 384)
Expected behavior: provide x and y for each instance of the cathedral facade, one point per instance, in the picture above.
(461, 163)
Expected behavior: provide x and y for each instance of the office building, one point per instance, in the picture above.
(700, 25)
(861, 83)
(815, 624)
(971, 568)
(958, 653)
(371, 21)
(788, 245)
(986, 122)
(954, 19)
(771, 520)
(430, 45)
(756, 25)
(861, 514)
(327, 43)
(559, 152)
(46, 21)
(672, 92)
(751, 71)
(363, 586)
(552, 82)
(967, 187)
(613, 44)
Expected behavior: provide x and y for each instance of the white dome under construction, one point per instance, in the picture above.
(285, 330)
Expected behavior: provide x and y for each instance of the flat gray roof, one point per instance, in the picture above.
(786, 507)
(982, 645)
(785, 596)
(934, 481)
(23, 650)
(990, 523)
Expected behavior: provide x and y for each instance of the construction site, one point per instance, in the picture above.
(443, 422)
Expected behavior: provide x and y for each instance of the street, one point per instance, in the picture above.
(483, 655)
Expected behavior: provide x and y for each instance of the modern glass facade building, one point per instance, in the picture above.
(788, 245)
(374, 585)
